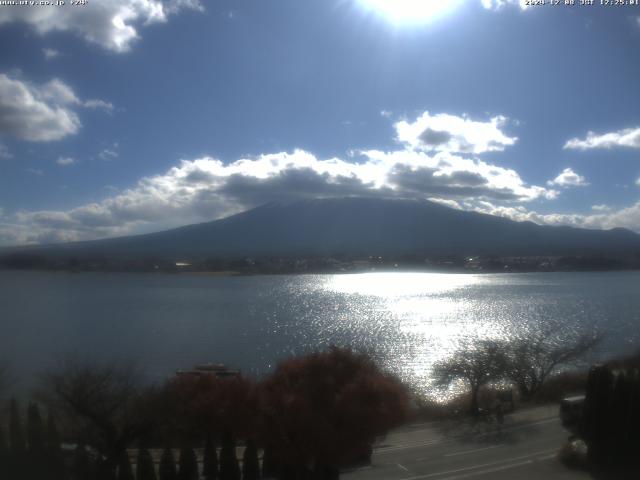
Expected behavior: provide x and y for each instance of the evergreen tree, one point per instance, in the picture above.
(53, 449)
(4, 451)
(125, 472)
(3, 443)
(81, 469)
(229, 469)
(144, 467)
(250, 464)
(16, 461)
(35, 430)
(597, 413)
(36, 466)
(16, 432)
(269, 468)
(210, 459)
(188, 465)
(167, 466)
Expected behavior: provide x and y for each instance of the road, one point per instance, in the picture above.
(523, 447)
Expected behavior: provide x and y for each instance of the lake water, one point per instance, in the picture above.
(408, 320)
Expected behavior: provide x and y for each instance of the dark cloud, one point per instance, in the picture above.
(434, 137)
(459, 184)
(291, 183)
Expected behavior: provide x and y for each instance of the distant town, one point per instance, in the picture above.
(322, 264)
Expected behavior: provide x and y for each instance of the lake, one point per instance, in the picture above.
(408, 320)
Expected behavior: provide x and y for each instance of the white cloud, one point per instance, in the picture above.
(35, 171)
(450, 176)
(113, 24)
(450, 133)
(601, 208)
(568, 178)
(499, 4)
(40, 113)
(36, 114)
(57, 92)
(628, 137)
(4, 152)
(206, 188)
(96, 104)
(50, 53)
(65, 161)
(606, 218)
(108, 154)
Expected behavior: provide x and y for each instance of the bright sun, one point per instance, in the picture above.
(410, 11)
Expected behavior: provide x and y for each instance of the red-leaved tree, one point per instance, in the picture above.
(324, 411)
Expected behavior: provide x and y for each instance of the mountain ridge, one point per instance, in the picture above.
(353, 226)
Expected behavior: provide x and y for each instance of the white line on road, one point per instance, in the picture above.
(455, 454)
(443, 441)
(498, 469)
(475, 467)
(490, 470)
(403, 467)
(408, 445)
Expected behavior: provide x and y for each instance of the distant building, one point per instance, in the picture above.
(218, 370)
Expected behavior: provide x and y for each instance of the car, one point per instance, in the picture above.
(571, 411)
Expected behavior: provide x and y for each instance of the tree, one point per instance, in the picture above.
(325, 410)
(4, 375)
(167, 470)
(188, 465)
(4, 454)
(201, 404)
(16, 431)
(35, 431)
(210, 459)
(125, 472)
(477, 364)
(37, 459)
(144, 465)
(533, 356)
(250, 464)
(55, 461)
(105, 403)
(229, 468)
(3, 444)
(81, 469)
(269, 468)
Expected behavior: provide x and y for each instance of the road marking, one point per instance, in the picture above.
(490, 470)
(498, 469)
(472, 451)
(403, 467)
(408, 445)
(444, 441)
(474, 467)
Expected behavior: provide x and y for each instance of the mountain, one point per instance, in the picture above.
(357, 227)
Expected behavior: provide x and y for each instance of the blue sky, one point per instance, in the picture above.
(129, 116)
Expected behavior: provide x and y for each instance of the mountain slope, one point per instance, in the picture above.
(358, 226)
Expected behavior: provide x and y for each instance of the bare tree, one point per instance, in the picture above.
(534, 356)
(5, 379)
(104, 403)
(476, 363)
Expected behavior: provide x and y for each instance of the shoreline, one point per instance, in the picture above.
(238, 273)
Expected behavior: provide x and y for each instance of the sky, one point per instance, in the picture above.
(129, 116)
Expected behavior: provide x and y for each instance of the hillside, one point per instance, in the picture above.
(354, 227)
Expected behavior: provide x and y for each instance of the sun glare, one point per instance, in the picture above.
(410, 11)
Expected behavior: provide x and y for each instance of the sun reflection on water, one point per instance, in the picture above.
(399, 284)
(431, 313)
